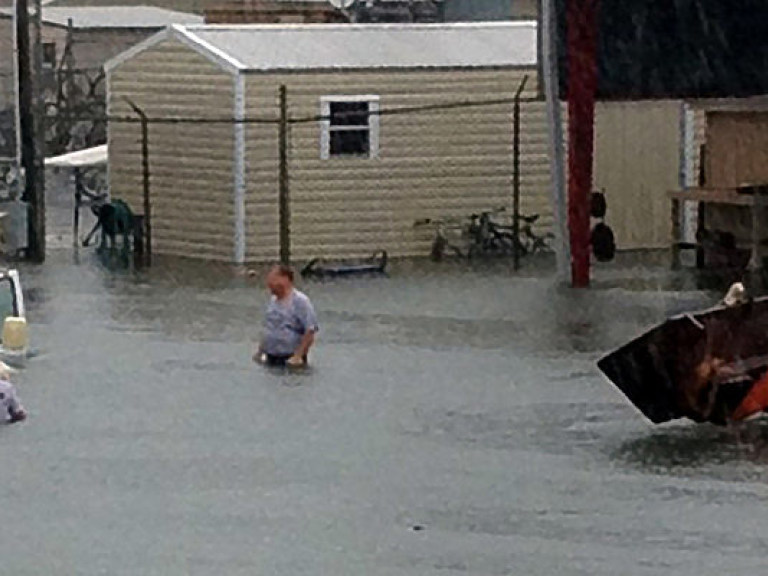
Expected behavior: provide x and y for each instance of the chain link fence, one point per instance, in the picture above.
(150, 172)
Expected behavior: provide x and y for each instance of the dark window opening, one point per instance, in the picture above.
(350, 143)
(350, 132)
(349, 114)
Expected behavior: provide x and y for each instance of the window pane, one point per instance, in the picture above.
(350, 143)
(349, 113)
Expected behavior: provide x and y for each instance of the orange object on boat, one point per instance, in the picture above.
(755, 401)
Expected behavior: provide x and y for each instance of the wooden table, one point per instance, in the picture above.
(753, 197)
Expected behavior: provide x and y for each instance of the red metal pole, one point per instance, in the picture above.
(582, 85)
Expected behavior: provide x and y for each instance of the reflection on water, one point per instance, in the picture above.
(739, 452)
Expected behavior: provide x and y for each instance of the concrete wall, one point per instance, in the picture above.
(191, 164)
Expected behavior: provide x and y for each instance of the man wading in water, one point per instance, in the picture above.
(290, 325)
(11, 410)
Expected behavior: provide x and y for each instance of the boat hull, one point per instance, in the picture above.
(665, 372)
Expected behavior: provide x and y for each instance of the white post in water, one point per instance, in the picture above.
(549, 71)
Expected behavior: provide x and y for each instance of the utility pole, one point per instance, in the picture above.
(29, 132)
(37, 220)
(582, 88)
(26, 115)
(16, 124)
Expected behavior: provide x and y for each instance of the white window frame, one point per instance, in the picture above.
(326, 129)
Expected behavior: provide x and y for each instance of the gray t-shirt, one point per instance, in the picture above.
(286, 324)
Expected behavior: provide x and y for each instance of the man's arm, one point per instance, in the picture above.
(308, 320)
(306, 343)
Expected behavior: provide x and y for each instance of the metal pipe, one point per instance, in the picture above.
(549, 70)
(145, 178)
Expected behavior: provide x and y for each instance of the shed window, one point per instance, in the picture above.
(349, 126)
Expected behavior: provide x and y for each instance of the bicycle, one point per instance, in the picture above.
(441, 244)
(530, 242)
(491, 238)
(488, 237)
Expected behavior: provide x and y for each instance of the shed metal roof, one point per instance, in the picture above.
(89, 17)
(290, 47)
(324, 46)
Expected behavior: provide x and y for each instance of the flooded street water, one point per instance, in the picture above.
(454, 422)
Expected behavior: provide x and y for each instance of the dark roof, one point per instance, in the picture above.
(474, 10)
(678, 48)
(194, 6)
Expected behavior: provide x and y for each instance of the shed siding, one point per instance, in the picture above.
(637, 161)
(447, 162)
(191, 165)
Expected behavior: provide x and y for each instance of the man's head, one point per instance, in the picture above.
(280, 280)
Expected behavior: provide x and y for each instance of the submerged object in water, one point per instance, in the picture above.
(377, 264)
(708, 366)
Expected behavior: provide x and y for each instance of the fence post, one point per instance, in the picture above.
(78, 201)
(284, 199)
(66, 86)
(145, 179)
(516, 174)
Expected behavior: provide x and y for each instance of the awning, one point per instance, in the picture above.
(89, 157)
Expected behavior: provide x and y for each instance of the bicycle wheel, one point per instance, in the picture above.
(504, 244)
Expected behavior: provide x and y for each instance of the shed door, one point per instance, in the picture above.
(637, 161)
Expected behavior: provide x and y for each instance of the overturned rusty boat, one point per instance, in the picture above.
(708, 366)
